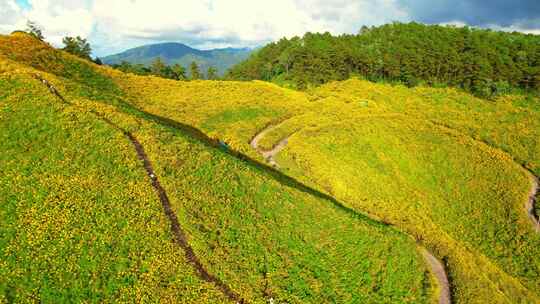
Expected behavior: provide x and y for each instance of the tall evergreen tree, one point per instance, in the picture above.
(33, 29)
(157, 67)
(179, 72)
(211, 74)
(481, 61)
(194, 70)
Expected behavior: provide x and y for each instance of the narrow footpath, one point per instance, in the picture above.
(529, 205)
(269, 155)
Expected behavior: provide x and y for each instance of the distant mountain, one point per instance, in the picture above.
(172, 53)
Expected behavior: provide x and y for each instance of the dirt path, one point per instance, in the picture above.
(269, 155)
(529, 206)
(436, 267)
(178, 234)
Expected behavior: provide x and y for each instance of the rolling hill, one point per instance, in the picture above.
(134, 188)
(172, 53)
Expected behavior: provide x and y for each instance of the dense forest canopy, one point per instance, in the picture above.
(481, 61)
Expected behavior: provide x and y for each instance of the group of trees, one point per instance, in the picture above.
(175, 71)
(78, 46)
(483, 62)
(75, 45)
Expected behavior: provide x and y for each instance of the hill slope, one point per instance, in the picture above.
(98, 188)
(452, 170)
(172, 53)
(440, 168)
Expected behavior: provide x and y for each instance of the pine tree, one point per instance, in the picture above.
(481, 61)
(33, 29)
(157, 67)
(211, 74)
(179, 72)
(195, 72)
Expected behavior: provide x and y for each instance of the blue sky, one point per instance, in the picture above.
(115, 25)
(24, 4)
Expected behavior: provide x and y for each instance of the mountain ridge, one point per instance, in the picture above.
(179, 53)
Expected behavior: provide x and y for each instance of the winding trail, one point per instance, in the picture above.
(269, 154)
(179, 237)
(437, 268)
(435, 265)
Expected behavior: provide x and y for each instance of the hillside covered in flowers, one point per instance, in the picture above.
(125, 188)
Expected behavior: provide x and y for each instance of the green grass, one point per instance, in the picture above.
(511, 123)
(254, 223)
(459, 196)
(229, 117)
(245, 222)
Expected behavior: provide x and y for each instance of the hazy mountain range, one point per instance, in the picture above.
(173, 52)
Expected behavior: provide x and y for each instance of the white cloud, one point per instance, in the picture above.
(213, 23)
(56, 18)
(10, 15)
(61, 18)
(114, 25)
(514, 28)
(232, 20)
(345, 16)
(455, 23)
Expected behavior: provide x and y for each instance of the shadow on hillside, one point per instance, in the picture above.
(277, 175)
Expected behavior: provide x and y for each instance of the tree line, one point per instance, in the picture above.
(81, 47)
(175, 71)
(481, 61)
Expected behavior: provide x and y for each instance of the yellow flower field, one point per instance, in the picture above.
(370, 172)
(82, 222)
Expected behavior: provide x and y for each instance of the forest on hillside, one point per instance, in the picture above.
(484, 62)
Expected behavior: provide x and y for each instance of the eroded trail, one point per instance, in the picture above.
(179, 236)
(435, 265)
